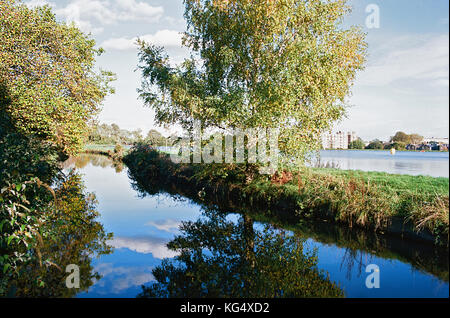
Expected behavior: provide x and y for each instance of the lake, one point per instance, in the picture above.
(435, 164)
(144, 223)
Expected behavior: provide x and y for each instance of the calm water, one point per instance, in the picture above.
(143, 225)
(434, 164)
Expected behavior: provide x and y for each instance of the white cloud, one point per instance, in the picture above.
(92, 15)
(120, 44)
(133, 10)
(145, 245)
(122, 277)
(442, 82)
(168, 225)
(39, 3)
(425, 59)
(165, 38)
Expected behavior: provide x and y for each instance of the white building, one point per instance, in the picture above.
(437, 140)
(338, 140)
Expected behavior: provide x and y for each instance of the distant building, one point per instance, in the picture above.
(435, 140)
(338, 140)
(425, 147)
(411, 147)
(428, 146)
(443, 147)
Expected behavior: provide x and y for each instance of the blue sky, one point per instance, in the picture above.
(405, 85)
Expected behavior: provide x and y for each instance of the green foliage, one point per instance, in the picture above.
(376, 144)
(258, 64)
(42, 231)
(415, 138)
(398, 145)
(19, 227)
(356, 144)
(22, 157)
(48, 70)
(402, 138)
(155, 138)
(118, 149)
(112, 134)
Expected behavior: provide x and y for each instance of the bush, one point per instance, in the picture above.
(376, 144)
(396, 145)
(356, 144)
(118, 149)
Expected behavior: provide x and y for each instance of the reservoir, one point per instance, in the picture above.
(435, 164)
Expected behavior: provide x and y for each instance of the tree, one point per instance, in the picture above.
(375, 144)
(137, 135)
(356, 144)
(258, 64)
(400, 136)
(155, 138)
(107, 135)
(398, 145)
(416, 138)
(115, 132)
(48, 68)
(173, 139)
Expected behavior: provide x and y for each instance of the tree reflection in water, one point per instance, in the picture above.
(71, 235)
(221, 258)
(82, 160)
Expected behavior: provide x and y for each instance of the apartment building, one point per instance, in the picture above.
(338, 140)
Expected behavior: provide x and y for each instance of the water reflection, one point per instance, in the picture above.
(145, 218)
(222, 258)
(362, 247)
(355, 244)
(74, 236)
(154, 245)
(82, 160)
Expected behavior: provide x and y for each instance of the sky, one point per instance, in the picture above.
(404, 87)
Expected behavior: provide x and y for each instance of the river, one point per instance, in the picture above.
(144, 223)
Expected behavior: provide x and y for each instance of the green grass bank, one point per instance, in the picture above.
(416, 207)
(115, 152)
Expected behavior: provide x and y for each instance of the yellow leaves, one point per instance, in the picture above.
(48, 69)
(285, 63)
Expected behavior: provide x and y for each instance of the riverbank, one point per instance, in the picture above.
(415, 207)
(115, 152)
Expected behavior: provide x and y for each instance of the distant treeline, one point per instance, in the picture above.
(399, 141)
(113, 134)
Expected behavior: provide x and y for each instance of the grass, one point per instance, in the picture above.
(394, 183)
(104, 148)
(370, 200)
(422, 199)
